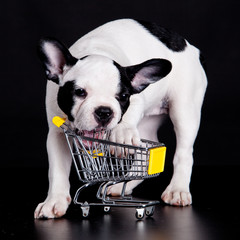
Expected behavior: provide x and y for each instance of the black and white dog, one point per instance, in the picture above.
(123, 76)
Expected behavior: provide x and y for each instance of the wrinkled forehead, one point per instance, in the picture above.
(95, 73)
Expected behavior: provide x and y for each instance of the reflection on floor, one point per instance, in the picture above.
(213, 214)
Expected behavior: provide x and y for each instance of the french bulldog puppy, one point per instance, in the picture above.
(125, 76)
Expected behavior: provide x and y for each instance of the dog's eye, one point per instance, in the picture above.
(123, 97)
(80, 92)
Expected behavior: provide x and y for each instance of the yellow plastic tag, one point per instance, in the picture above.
(58, 121)
(156, 160)
(95, 153)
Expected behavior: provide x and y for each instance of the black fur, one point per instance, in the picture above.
(126, 89)
(172, 40)
(65, 98)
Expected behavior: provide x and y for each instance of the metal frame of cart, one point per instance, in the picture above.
(98, 160)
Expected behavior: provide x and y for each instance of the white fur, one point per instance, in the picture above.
(127, 43)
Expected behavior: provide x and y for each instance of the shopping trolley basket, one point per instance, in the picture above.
(98, 160)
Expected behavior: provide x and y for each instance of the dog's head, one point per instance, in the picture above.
(94, 91)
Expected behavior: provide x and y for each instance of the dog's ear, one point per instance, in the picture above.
(55, 58)
(148, 72)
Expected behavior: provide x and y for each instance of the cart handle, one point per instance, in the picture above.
(58, 121)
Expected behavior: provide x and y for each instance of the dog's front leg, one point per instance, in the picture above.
(58, 198)
(126, 131)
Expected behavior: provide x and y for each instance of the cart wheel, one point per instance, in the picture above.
(106, 209)
(149, 211)
(139, 213)
(85, 209)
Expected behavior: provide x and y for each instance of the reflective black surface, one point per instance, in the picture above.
(213, 215)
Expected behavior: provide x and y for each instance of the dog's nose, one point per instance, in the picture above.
(103, 115)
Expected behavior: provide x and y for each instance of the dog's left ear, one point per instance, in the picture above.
(148, 72)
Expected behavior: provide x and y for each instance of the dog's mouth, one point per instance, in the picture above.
(90, 138)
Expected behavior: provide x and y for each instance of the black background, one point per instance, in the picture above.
(212, 26)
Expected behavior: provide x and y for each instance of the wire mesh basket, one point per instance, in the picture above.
(98, 160)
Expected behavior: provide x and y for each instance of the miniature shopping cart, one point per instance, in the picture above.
(98, 160)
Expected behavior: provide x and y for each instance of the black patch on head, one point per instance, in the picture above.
(126, 89)
(172, 40)
(123, 97)
(65, 98)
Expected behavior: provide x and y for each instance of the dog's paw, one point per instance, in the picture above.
(53, 207)
(125, 134)
(177, 197)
